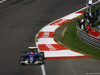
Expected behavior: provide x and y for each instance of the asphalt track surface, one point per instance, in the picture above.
(20, 21)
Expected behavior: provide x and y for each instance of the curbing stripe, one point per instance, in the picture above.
(45, 35)
(51, 47)
(49, 28)
(46, 41)
(62, 53)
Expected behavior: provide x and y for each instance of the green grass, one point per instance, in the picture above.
(72, 41)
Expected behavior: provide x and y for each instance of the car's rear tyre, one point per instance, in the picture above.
(41, 60)
(42, 54)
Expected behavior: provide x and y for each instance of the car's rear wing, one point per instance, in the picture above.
(34, 49)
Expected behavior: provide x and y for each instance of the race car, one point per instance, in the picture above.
(32, 57)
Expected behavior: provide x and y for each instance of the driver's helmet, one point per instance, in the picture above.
(31, 53)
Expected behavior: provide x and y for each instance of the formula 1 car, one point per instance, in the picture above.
(32, 57)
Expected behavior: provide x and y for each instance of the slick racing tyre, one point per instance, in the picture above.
(42, 54)
(41, 60)
(21, 60)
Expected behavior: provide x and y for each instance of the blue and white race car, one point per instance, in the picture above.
(32, 57)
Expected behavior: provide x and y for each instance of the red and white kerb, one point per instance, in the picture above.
(47, 44)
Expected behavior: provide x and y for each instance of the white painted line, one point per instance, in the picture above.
(46, 41)
(49, 28)
(61, 53)
(2, 1)
(43, 69)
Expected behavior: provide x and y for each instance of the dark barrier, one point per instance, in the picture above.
(96, 13)
(87, 38)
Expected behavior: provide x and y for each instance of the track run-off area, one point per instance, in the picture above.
(20, 21)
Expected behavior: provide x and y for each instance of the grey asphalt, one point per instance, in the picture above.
(20, 21)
